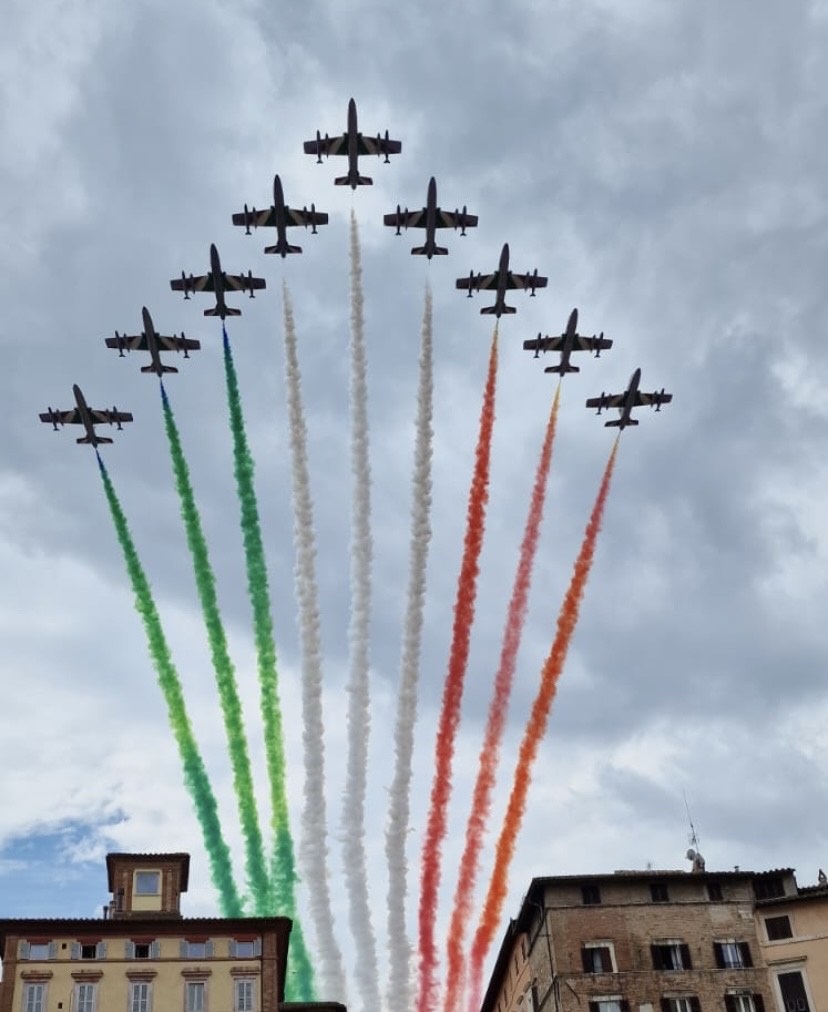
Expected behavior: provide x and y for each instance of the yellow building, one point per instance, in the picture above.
(792, 926)
(143, 956)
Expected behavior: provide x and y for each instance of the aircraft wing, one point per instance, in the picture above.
(109, 416)
(478, 282)
(327, 146)
(525, 281)
(455, 219)
(243, 282)
(202, 283)
(128, 342)
(255, 218)
(306, 217)
(656, 398)
(606, 401)
(592, 343)
(543, 344)
(406, 219)
(376, 146)
(70, 417)
(175, 343)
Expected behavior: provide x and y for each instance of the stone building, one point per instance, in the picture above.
(143, 955)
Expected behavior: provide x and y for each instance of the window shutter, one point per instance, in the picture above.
(23, 952)
(101, 953)
(257, 947)
(155, 950)
(52, 950)
(720, 963)
(624, 1005)
(730, 1003)
(686, 962)
(759, 1003)
(76, 950)
(232, 948)
(658, 962)
(208, 949)
(586, 959)
(130, 950)
(695, 1004)
(593, 1006)
(665, 1005)
(744, 951)
(182, 949)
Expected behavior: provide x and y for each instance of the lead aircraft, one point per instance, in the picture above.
(353, 144)
(88, 417)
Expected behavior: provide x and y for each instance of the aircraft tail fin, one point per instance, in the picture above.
(98, 439)
(228, 311)
(284, 250)
(436, 251)
(164, 368)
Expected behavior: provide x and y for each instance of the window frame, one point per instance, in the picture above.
(239, 985)
(79, 1005)
(715, 893)
(659, 893)
(590, 894)
(679, 952)
(741, 947)
(669, 1003)
(193, 987)
(134, 988)
(30, 988)
(603, 945)
(777, 919)
(143, 873)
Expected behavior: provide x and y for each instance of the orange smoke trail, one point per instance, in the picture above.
(532, 737)
(453, 692)
(490, 751)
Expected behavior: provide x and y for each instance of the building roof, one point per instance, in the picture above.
(178, 858)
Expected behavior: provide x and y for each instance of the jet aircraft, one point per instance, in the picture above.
(501, 280)
(431, 217)
(353, 144)
(153, 342)
(566, 343)
(220, 283)
(82, 414)
(282, 217)
(631, 398)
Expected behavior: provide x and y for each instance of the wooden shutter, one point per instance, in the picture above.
(665, 1005)
(182, 948)
(593, 1006)
(744, 952)
(586, 959)
(23, 951)
(686, 961)
(758, 1002)
(625, 1005)
(257, 947)
(720, 963)
(208, 949)
(658, 962)
(76, 950)
(130, 949)
(232, 948)
(52, 950)
(695, 1004)
(155, 951)
(730, 1003)
(101, 953)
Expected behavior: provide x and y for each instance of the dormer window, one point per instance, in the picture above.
(147, 883)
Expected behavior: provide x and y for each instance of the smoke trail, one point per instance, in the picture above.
(496, 721)
(231, 707)
(195, 774)
(399, 985)
(284, 870)
(453, 691)
(353, 810)
(535, 729)
(314, 847)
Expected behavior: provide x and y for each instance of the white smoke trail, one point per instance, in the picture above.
(359, 722)
(399, 992)
(314, 848)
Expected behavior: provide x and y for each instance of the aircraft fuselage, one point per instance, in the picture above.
(431, 215)
(86, 415)
(152, 341)
(218, 279)
(353, 146)
(629, 399)
(502, 280)
(280, 213)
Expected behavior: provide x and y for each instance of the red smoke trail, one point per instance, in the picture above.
(453, 691)
(535, 730)
(490, 752)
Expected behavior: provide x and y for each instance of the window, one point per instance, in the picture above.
(142, 949)
(245, 948)
(39, 950)
(34, 997)
(685, 1004)
(671, 955)
(195, 991)
(590, 895)
(243, 996)
(196, 948)
(714, 892)
(598, 957)
(139, 996)
(769, 888)
(610, 1003)
(659, 893)
(147, 883)
(89, 951)
(778, 927)
(84, 998)
(792, 989)
(732, 955)
(744, 1001)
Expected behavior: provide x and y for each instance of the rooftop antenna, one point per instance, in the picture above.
(693, 851)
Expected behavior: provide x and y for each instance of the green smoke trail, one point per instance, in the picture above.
(300, 978)
(195, 775)
(231, 708)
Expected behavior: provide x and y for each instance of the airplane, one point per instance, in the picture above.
(431, 218)
(353, 144)
(566, 343)
(153, 342)
(502, 280)
(625, 402)
(82, 414)
(283, 217)
(219, 282)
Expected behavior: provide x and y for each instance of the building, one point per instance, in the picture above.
(143, 955)
(792, 926)
(670, 941)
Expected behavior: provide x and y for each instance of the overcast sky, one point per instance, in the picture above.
(664, 165)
